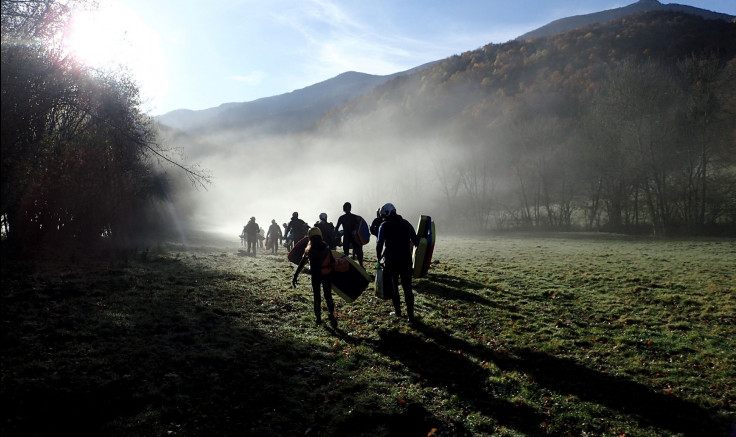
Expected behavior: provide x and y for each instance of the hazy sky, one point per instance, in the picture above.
(198, 54)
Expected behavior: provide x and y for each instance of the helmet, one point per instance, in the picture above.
(295, 215)
(314, 231)
(347, 206)
(323, 216)
(387, 210)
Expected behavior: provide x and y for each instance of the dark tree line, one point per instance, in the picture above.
(81, 164)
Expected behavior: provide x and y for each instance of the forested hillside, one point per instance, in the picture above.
(627, 126)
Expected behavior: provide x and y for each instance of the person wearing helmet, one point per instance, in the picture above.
(251, 235)
(319, 256)
(394, 236)
(328, 230)
(349, 221)
(297, 228)
(274, 236)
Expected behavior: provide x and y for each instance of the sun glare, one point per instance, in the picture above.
(114, 37)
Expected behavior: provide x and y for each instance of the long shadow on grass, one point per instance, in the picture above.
(161, 349)
(455, 373)
(568, 377)
(414, 421)
(451, 287)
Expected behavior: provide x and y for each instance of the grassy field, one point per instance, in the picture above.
(580, 335)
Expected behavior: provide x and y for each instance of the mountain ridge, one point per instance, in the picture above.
(300, 109)
(573, 22)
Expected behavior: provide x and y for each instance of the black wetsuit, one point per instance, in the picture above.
(397, 234)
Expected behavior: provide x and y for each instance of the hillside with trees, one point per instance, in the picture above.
(627, 126)
(81, 163)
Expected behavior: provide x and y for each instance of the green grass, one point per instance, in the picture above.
(518, 335)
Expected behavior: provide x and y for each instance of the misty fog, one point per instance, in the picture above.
(270, 177)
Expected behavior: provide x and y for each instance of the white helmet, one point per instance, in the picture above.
(387, 210)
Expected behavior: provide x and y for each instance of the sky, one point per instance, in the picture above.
(197, 54)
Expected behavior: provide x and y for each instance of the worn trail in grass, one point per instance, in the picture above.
(518, 335)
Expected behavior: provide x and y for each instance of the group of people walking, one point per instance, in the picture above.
(395, 237)
(295, 230)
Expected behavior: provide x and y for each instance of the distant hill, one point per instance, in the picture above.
(290, 112)
(569, 23)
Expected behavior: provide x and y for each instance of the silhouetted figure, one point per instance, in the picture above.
(328, 231)
(377, 222)
(297, 228)
(396, 234)
(349, 222)
(274, 236)
(251, 235)
(319, 256)
(288, 241)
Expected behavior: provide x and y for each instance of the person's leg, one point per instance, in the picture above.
(327, 288)
(395, 299)
(406, 276)
(317, 301)
(359, 253)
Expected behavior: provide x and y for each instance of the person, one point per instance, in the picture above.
(328, 230)
(348, 221)
(320, 258)
(395, 234)
(251, 235)
(297, 227)
(376, 223)
(261, 237)
(288, 242)
(274, 236)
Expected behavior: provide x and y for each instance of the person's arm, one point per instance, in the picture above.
(413, 234)
(298, 270)
(379, 243)
(339, 223)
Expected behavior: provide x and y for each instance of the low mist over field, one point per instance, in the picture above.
(270, 178)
